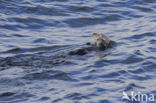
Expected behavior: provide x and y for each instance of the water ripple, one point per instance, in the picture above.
(80, 22)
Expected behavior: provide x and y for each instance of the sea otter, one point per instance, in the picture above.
(102, 42)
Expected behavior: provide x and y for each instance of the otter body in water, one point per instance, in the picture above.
(102, 42)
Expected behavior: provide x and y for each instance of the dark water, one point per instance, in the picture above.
(36, 36)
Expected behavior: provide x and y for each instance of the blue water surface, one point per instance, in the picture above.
(36, 36)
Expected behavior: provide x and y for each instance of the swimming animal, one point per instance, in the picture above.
(101, 41)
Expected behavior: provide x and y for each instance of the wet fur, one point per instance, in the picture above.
(101, 41)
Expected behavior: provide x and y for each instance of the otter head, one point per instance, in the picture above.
(101, 41)
(96, 36)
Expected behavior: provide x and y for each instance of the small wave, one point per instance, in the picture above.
(153, 41)
(111, 75)
(80, 22)
(75, 96)
(132, 59)
(20, 35)
(137, 71)
(144, 9)
(25, 20)
(105, 4)
(44, 48)
(41, 10)
(41, 40)
(131, 86)
(6, 94)
(149, 66)
(52, 74)
(81, 8)
(14, 97)
(48, 1)
(141, 36)
(9, 27)
(15, 50)
(44, 99)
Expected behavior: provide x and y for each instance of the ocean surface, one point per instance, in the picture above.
(36, 37)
